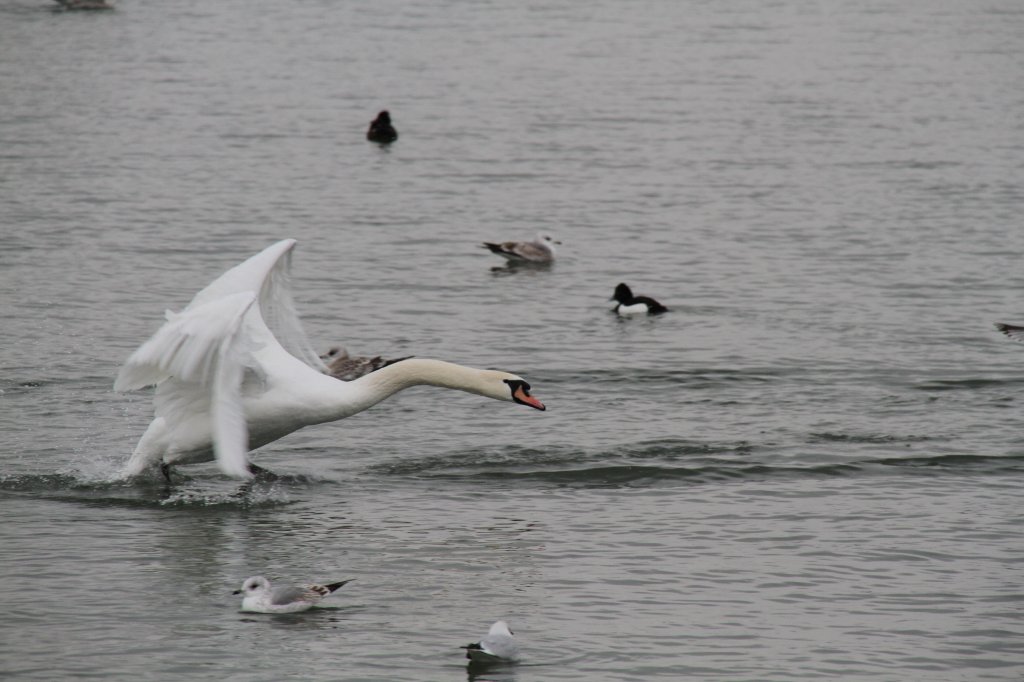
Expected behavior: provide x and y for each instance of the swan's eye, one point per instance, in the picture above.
(516, 384)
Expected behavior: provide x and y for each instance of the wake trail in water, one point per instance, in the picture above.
(669, 463)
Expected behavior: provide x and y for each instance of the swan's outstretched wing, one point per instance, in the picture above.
(268, 275)
(201, 356)
(198, 358)
(188, 346)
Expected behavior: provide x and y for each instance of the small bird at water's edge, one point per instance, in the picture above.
(497, 646)
(628, 304)
(262, 597)
(381, 129)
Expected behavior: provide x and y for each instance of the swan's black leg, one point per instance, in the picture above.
(165, 469)
(262, 474)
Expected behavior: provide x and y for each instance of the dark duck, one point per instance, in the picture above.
(628, 304)
(381, 129)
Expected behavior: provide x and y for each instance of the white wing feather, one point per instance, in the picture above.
(268, 273)
(195, 357)
(187, 346)
(200, 357)
(278, 309)
(249, 275)
(230, 431)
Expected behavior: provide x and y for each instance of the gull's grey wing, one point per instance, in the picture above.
(279, 596)
(536, 252)
(533, 251)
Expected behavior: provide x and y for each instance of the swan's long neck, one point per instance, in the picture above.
(366, 391)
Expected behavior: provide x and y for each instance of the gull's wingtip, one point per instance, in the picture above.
(1013, 331)
(334, 586)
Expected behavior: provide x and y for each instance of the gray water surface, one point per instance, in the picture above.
(809, 469)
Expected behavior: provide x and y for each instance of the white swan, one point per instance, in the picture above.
(226, 384)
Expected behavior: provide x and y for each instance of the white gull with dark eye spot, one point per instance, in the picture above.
(262, 597)
(497, 646)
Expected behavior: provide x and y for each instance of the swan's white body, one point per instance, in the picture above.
(227, 384)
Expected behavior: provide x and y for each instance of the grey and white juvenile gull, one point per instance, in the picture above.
(341, 365)
(262, 597)
(540, 250)
(497, 646)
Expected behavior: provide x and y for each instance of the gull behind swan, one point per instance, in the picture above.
(341, 365)
(234, 371)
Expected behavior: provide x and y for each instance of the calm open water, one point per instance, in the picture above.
(810, 469)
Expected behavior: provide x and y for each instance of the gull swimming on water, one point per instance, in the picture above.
(234, 371)
(628, 304)
(497, 646)
(341, 365)
(540, 250)
(262, 597)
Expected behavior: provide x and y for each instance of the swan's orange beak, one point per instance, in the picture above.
(520, 396)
